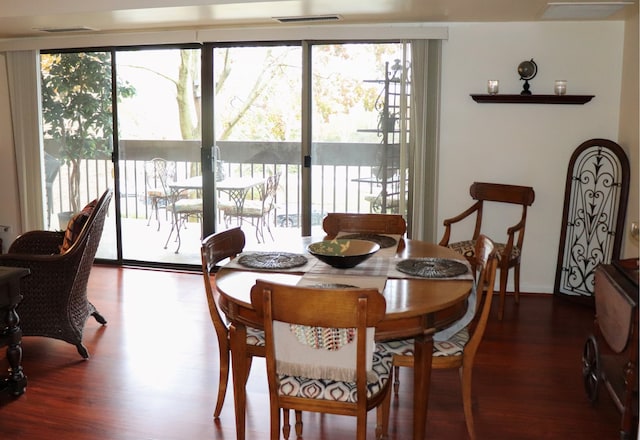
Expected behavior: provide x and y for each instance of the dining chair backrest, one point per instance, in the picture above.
(510, 250)
(297, 306)
(335, 223)
(159, 173)
(269, 193)
(215, 248)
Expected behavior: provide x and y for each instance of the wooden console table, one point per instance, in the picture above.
(610, 357)
(10, 333)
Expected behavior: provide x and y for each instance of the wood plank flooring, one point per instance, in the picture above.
(153, 373)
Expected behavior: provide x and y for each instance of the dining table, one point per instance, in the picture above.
(416, 307)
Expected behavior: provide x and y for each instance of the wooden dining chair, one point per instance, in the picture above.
(459, 350)
(510, 252)
(323, 362)
(217, 248)
(336, 222)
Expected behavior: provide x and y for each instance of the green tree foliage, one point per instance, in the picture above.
(77, 108)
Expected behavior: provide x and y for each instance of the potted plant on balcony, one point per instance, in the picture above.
(77, 110)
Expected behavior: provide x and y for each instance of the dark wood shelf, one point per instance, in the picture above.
(532, 99)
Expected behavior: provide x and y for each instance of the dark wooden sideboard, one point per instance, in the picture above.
(10, 333)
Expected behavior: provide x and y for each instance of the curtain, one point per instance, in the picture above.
(23, 72)
(423, 141)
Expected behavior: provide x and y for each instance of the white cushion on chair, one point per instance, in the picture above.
(187, 205)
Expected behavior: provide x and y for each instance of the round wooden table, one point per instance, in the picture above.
(415, 308)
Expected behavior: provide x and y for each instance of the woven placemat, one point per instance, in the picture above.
(383, 240)
(272, 260)
(432, 267)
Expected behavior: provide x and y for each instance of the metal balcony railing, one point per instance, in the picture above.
(335, 165)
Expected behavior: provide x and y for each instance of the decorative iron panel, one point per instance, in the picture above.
(595, 204)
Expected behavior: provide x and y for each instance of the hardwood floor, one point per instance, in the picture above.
(153, 371)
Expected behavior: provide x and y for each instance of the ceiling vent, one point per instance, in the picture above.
(308, 18)
(582, 10)
(66, 29)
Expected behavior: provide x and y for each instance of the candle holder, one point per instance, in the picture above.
(560, 87)
(493, 86)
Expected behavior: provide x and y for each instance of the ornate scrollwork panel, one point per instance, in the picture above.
(596, 194)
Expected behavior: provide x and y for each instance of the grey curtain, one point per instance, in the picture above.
(424, 138)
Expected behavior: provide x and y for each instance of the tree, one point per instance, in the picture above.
(77, 109)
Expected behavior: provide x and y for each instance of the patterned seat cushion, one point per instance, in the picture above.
(454, 346)
(255, 337)
(298, 386)
(468, 247)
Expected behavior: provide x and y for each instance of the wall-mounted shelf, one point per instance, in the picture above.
(532, 99)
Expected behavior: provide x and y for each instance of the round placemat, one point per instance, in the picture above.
(432, 267)
(272, 260)
(333, 286)
(383, 240)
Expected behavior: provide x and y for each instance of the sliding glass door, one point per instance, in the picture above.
(256, 139)
(360, 105)
(158, 149)
(191, 137)
(78, 131)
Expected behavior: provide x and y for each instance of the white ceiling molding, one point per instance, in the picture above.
(98, 40)
(278, 32)
(582, 10)
(386, 31)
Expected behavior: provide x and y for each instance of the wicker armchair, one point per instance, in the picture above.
(55, 303)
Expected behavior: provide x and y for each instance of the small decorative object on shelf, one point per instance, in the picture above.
(527, 71)
(493, 86)
(560, 87)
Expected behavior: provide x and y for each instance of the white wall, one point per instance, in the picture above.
(524, 144)
(514, 143)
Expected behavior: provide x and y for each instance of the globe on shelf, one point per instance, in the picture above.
(527, 71)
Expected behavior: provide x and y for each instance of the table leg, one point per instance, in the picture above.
(17, 381)
(239, 366)
(423, 353)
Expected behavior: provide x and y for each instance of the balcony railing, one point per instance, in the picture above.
(335, 165)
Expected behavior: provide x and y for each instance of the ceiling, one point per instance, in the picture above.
(28, 18)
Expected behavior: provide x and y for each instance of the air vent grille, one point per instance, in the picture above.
(308, 18)
(66, 29)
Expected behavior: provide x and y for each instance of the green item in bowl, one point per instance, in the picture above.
(343, 254)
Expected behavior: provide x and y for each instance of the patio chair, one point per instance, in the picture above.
(323, 362)
(158, 171)
(55, 303)
(258, 212)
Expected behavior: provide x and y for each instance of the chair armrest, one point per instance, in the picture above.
(458, 218)
(37, 243)
(511, 233)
